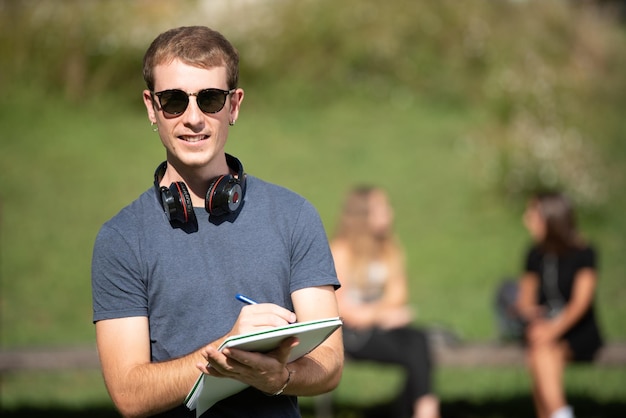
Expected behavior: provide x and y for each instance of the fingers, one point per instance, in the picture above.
(217, 363)
(263, 315)
(256, 369)
(281, 353)
(246, 365)
(276, 315)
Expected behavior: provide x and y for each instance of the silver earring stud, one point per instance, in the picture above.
(156, 128)
(231, 123)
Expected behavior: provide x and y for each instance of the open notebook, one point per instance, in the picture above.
(208, 389)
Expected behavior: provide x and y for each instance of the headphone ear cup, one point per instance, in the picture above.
(224, 196)
(177, 203)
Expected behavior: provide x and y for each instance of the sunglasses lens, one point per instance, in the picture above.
(174, 102)
(211, 100)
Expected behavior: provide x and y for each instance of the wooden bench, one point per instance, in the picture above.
(493, 354)
(461, 355)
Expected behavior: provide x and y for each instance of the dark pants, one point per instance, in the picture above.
(406, 347)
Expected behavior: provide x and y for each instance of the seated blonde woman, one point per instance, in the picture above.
(373, 299)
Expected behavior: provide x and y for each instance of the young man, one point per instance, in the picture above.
(166, 269)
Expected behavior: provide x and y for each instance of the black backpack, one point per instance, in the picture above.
(509, 324)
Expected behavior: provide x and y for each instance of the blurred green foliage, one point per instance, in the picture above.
(548, 75)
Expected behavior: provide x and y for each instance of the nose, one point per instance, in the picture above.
(193, 116)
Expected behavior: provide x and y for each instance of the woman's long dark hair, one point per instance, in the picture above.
(558, 214)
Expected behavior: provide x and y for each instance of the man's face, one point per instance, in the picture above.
(192, 138)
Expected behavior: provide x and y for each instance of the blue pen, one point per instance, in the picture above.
(245, 299)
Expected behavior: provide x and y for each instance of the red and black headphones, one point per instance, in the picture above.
(223, 197)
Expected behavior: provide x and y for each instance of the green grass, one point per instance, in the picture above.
(488, 392)
(71, 390)
(68, 168)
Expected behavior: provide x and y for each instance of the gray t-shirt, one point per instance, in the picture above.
(185, 281)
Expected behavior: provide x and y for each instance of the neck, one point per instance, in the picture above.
(197, 179)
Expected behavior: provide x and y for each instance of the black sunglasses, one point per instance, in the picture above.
(175, 101)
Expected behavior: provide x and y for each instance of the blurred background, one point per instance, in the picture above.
(458, 109)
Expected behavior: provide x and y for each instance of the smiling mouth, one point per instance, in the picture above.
(195, 138)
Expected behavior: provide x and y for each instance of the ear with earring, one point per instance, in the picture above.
(155, 128)
(231, 123)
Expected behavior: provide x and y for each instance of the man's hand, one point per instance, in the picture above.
(313, 374)
(261, 316)
(264, 371)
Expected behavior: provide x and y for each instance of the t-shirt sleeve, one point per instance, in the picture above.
(311, 259)
(532, 262)
(587, 258)
(117, 288)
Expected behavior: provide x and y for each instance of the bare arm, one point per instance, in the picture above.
(320, 371)
(139, 387)
(397, 287)
(354, 314)
(582, 296)
(527, 304)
